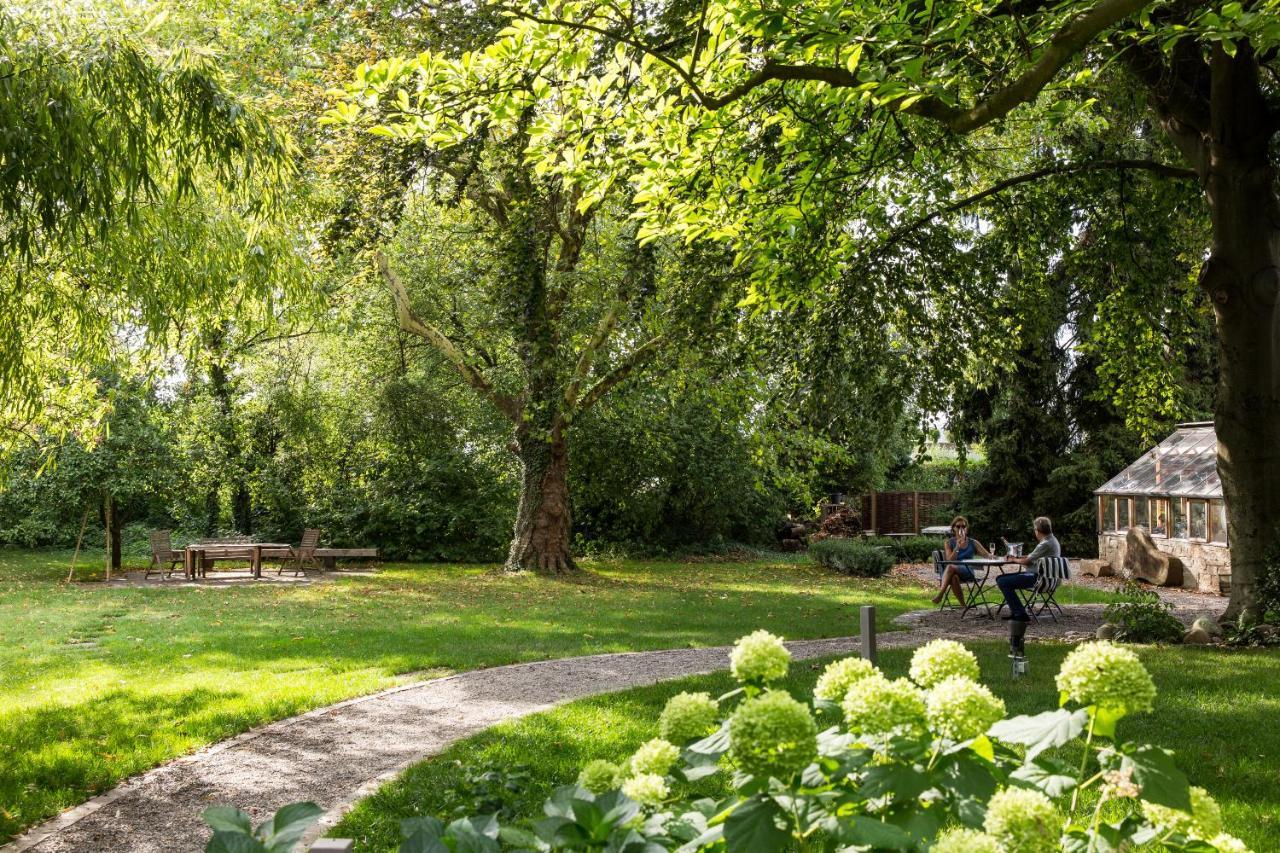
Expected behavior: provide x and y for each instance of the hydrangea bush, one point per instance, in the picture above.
(929, 763)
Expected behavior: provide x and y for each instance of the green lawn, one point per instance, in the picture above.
(98, 683)
(1217, 709)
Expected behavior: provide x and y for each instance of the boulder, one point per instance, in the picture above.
(1209, 625)
(1107, 631)
(1144, 561)
(1197, 637)
(1096, 568)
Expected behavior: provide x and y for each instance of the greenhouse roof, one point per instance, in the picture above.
(1183, 465)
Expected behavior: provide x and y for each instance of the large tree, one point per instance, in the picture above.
(533, 288)
(876, 70)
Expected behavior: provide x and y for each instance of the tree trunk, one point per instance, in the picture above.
(106, 531)
(1242, 278)
(116, 531)
(542, 537)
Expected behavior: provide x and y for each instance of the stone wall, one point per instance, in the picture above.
(1207, 566)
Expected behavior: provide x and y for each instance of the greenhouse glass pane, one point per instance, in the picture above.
(1177, 520)
(1140, 513)
(1218, 522)
(1199, 530)
(1160, 517)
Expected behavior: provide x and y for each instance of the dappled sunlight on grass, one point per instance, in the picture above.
(99, 682)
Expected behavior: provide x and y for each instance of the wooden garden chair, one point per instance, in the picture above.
(304, 555)
(162, 553)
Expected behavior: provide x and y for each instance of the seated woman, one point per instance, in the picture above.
(958, 547)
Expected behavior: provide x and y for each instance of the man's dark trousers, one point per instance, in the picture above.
(1009, 585)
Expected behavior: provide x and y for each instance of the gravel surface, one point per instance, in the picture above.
(337, 755)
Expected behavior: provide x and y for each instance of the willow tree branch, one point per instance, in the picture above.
(411, 323)
(1162, 169)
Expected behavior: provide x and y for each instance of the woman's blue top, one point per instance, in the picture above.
(964, 553)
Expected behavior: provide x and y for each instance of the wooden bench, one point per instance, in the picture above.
(329, 556)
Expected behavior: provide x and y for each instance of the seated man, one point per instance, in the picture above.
(1046, 546)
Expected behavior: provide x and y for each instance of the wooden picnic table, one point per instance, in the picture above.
(194, 556)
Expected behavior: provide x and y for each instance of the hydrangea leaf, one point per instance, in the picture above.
(1161, 780)
(1051, 777)
(753, 827)
(1039, 732)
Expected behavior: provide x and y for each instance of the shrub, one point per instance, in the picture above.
(1142, 617)
(889, 781)
(852, 557)
(915, 549)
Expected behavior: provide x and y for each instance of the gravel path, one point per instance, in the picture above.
(337, 755)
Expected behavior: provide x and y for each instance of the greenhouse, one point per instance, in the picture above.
(1173, 492)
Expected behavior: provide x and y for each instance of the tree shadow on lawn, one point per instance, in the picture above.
(57, 755)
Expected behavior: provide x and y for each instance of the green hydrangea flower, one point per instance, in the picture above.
(1229, 844)
(1104, 674)
(689, 716)
(1203, 822)
(657, 756)
(648, 789)
(960, 709)
(759, 658)
(773, 735)
(940, 659)
(600, 776)
(961, 840)
(876, 705)
(839, 676)
(1023, 821)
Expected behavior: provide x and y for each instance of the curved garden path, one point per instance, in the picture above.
(341, 753)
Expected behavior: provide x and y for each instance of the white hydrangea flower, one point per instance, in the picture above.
(1204, 821)
(961, 840)
(839, 676)
(689, 716)
(657, 756)
(941, 659)
(959, 709)
(1107, 675)
(599, 776)
(1229, 844)
(1023, 821)
(759, 658)
(875, 705)
(648, 789)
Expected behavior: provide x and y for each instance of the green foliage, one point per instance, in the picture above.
(914, 549)
(1143, 617)
(234, 832)
(132, 197)
(852, 557)
(894, 788)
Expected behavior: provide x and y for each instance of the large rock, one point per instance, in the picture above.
(1096, 568)
(1209, 625)
(1107, 631)
(1144, 561)
(1197, 637)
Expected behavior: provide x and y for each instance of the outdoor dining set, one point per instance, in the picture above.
(197, 558)
(1038, 600)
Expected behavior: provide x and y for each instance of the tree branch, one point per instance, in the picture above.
(412, 324)
(635, 359)
(603, 329)
(1162, 169)
(1062, 47)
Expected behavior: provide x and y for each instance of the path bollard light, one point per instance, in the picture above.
(1018, 647)
(868, 632)
(333, 845)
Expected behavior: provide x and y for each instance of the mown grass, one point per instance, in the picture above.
(1217, 709)
(98, 683)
